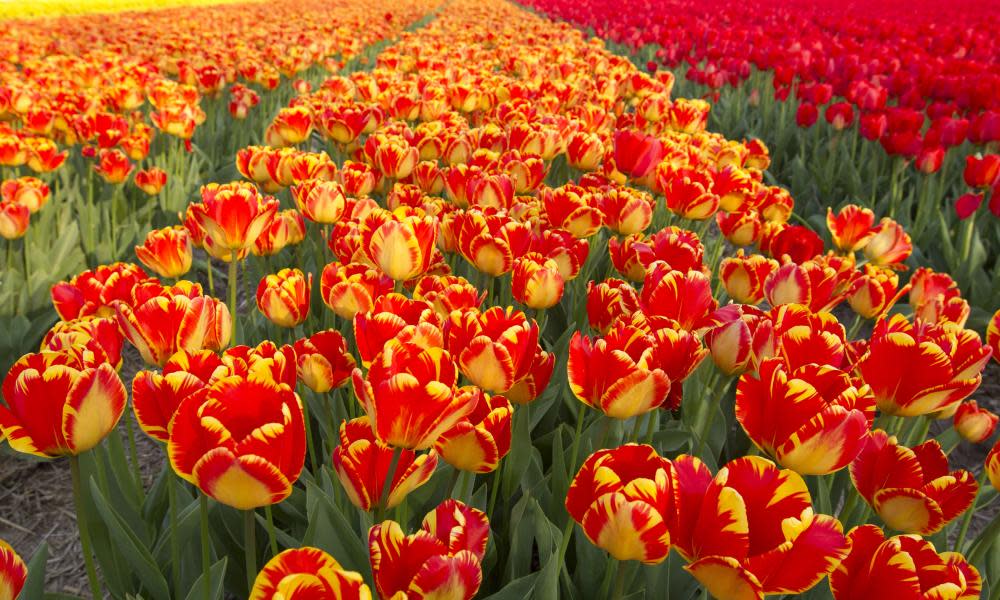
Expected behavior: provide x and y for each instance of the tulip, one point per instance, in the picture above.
(240, 441)
(283, 297)
(735, 187)
(358, 179)
(293, 124)
(410, 395)
(362, 463)
(851, 228)
(920, 368)
(447, 293)
(96, 338)
(571, 208)
(967, 204)
(164, 324)
(13, 572)
(584, 151)
(636, 154)
(993, 335)
(156, 396)
(479, 441)
(150, 180)
(234, 215)
(94, 292)
(322, 361)
(911, 489)
(166, 252)
(686, 298)
(806, 115)
(494, 349)
(395, 316)
(401, 242)
(351, 289)
(751, 531)
(814, 420)
(569, 253)
(743, 276)
(609, 300)
(491, 242)
(14, 220)
(396, 159)
(536, 281)
(875, 292)
(529, 387)
(877, 565)
(889, 246)
(307, 574)
(796, 243)
(741, 342)
(626, 211)
(739, 228)
(441, 561)
(974, 424)
(113, 166)
(802, 336)
(811, 284)
(266, 361)
(688, 192)
(623, 498)
(689, 115)
(56, 405)
(992, 466)
(28, 191)
(981, 171)
(320, 201)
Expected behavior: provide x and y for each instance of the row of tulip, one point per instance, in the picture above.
(887, 120)
(120, 118)
(526, 252)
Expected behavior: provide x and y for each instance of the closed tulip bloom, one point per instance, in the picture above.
(689, 115)
(308, 574)
(992, 466)
(685, 298)
(743, 276)
(623, 499)
(918, 368)
(320, 201)
(293, 124)
(410, 395)
(447, 293)
(166, 252)
(401, 242)
(283, 297)
(890, 245)
(570, 207)
(394, 316)
(973, 423)
(491, 242)
(739, 228)
(536, 281)
(98, 338)
(802, 337)
(993, 335)
(688, 192)
(905, 566)
(875, 292)
(531, 386)
(27, 191)
(441, 561)
(234, 215)
(241, 441)
(156, 396)
(812, 284)
(266, 361)
(584, 151)
(625, 210)
(151, 180)
(608, 301)
(113, 166)
(56, 405)
(981, 171)
(396, 159)
(479, 441)
(352, 288)
(322, 361)
(636, 154)
(362, 464)
(14, 220)
(619, 374)
(911, 489)
(174, 321)
(742, 341)
(813, 420)
(494, 348)
(750, 531)
(851, 228)
(13, 572)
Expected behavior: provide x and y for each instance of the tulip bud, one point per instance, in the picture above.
(536, 281)
(166, 252)
(284, 297)
(974, 424)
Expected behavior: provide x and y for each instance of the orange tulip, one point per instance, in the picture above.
(441, 561)
(27, 191)
(322, 361)
(241, 441)
(362, 463)
(479, 441)
(851, 228)
(911, 489)
(919, 368)
(113, 166)
(974, 424)
(151, 180)
(283, 297)
(293, 124)
(234, 215)
(751, 531)
(623, 498)
(410, 395)
(401, 242)
(494, 349)
(156, 396)
(166, 252)
(13, 572)
(308, 574)
(813, 420)
(14, 220)
(688, 192)
(395, 158)
(899, 566)
(58, 405)
(320, 201)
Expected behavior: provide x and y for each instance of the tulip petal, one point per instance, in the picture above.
(245, 482)
(95, 404)
(725, 578)
(627, 529)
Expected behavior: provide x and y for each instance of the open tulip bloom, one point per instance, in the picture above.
(412, 300)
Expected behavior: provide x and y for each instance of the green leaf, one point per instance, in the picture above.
(217, 575)
(35, 583)
(329, 530)
(130, 548)
(515, 590)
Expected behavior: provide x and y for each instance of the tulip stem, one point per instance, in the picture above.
(574, 453)
(271, 535)
(494, 491)
(208, 270)
(232, 295)
(82, 525)
(250, 546)
(967, 520)
(206, 546)
(133, 454)
(619, 592)
(387, 485)
(175, 549)
(309, 437)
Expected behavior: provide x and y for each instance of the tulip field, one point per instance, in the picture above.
(580, 299)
